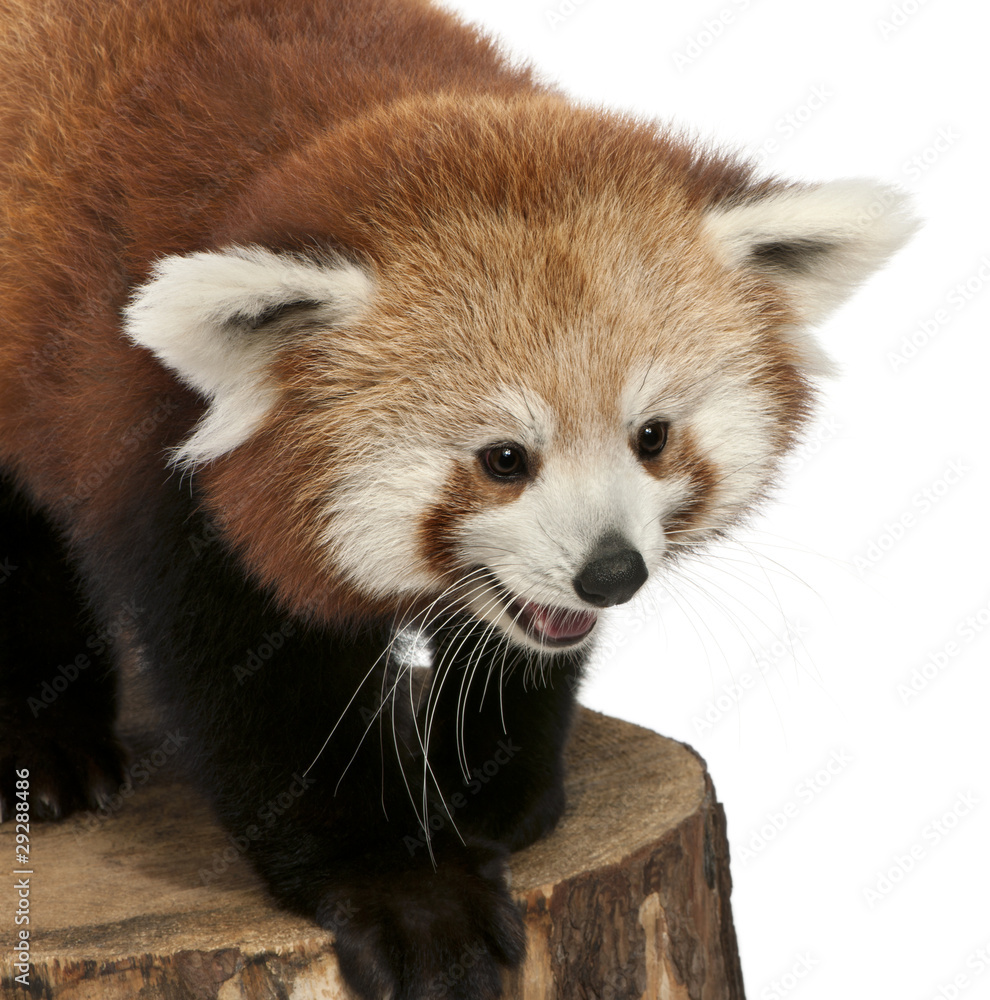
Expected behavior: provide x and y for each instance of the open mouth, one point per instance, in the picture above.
(544, 623)
(552, 626)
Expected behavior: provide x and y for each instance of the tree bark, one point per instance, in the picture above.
(627, 900)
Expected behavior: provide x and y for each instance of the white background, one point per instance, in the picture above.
(869, 880)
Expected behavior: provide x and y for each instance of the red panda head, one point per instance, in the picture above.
(503, 357)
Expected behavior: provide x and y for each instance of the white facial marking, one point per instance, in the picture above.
(371, 520)
(380, 498)
(729, 426)
(536, 544)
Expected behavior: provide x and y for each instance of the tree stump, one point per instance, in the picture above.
(627, 900)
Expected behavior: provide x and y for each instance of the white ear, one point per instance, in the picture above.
(215, 319)
(816, 243)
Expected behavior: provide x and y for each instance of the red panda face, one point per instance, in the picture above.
(519, 403)
(560, 442)
(422, 346)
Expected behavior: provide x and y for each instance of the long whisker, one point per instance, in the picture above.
(383, 656)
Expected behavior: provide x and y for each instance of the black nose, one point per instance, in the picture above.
(612, 575)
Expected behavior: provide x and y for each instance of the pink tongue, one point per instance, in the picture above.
(557, 624)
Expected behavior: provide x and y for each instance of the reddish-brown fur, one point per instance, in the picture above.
(377, 251)
(109, 162)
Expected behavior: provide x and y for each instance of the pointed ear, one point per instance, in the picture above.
(815, 243)
(217, 318)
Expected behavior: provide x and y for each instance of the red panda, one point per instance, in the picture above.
(323, 319)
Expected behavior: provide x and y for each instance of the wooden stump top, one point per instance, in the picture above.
(629, 897)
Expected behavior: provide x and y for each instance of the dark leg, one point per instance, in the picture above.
(501, 720)
(56, 685)
(252, 696)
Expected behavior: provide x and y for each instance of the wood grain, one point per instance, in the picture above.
(628, 899)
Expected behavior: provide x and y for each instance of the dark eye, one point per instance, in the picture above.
(651, 439)
(505, 461)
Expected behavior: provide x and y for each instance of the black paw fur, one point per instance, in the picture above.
(71, 766)
(421, 933)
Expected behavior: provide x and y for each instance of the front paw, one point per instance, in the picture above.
(72, 765)
(422, 933)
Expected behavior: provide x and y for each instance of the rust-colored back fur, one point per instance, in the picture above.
(121, 140)
(322, 321)
(340, 110)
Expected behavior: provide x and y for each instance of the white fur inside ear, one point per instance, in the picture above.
(818, 243)
(207, 317)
